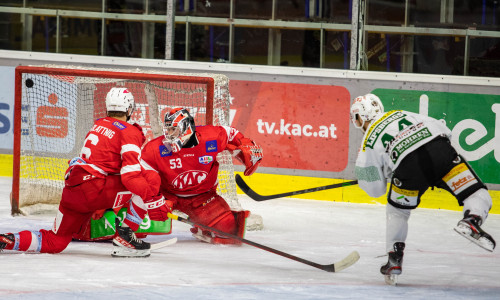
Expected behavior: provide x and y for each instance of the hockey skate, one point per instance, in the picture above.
(469, 227)
(393, 267)
(6, 241)
(204, 236)
(126, 244)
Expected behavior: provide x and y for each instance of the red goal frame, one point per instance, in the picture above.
(20, 70)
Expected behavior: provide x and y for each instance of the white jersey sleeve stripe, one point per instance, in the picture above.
(98, 169)
(146, 166)
(130, 147)
(130, 168)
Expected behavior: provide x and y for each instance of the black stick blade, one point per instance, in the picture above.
(257, 197)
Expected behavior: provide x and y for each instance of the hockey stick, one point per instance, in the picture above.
(156, 246)
(252, 194)
(335, 267)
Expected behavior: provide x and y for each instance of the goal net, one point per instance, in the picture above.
(56, 106)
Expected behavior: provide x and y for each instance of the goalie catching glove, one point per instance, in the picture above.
(158, 208)
(249, 154)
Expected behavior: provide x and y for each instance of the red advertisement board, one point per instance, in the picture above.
(299, 126)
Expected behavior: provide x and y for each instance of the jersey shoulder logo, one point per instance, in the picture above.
(205, 160)
(211, 146)
(119, 125)
(164, 151)
(377, 129)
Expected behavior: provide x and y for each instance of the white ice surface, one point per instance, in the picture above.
(439, 264)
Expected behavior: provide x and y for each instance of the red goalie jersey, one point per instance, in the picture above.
(187, 177)
(191, 171)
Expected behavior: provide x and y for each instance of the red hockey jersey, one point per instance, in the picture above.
(191, 171)
(113, 147)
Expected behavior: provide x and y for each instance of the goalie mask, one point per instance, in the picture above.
(120, 99)
(179, 125)
(366, 109)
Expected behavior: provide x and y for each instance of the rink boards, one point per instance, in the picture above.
(268, 184)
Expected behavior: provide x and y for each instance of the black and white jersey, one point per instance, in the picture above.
(387, 141)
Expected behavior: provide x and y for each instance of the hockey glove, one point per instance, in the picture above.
(157, 208)
(250, 155)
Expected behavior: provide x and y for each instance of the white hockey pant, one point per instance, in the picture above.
(478, 203)
(396, 228)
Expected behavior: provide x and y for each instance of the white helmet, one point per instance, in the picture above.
(368, 107)
(120, 99)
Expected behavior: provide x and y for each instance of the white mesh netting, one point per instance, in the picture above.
(59, 107)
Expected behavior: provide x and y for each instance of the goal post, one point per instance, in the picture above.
(55, 107)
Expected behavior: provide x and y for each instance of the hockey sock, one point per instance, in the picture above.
(26, 241)
(136, 212)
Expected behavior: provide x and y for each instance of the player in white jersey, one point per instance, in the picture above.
(412, 152)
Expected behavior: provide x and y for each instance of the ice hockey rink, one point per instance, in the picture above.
(439, 264)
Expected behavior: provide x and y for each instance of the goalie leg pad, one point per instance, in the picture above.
(224, 222)
(102, 229)
(240, 219)
(209, 237)
(212, 210)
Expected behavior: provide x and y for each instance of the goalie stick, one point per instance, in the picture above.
(257, 197)
(335, 267)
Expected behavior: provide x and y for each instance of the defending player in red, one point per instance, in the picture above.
(183, 167)
(107, 174)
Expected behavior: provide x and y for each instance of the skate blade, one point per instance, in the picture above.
(391, 279)
(482, 242)
(125, 252)
(200, 236)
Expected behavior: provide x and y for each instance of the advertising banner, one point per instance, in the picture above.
(6, 107)
(474, 120)
(50, 116)
(299, 126)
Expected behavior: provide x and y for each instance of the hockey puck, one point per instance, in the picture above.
(29, 83)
